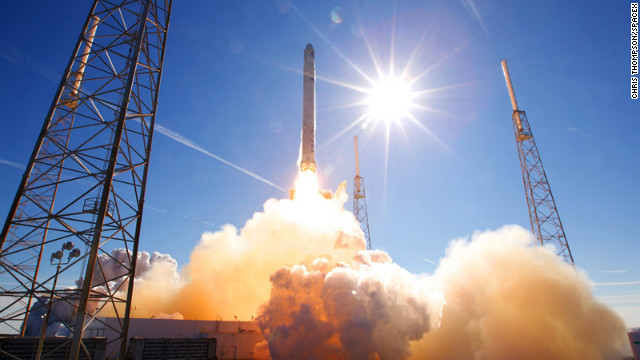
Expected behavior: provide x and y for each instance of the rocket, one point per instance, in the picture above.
(307, 158)
(308, 142)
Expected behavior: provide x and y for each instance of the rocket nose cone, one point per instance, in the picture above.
(308, 50)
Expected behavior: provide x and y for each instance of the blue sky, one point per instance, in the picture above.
(232, 87)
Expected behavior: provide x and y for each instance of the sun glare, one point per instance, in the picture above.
(390, 99)
(395, 97)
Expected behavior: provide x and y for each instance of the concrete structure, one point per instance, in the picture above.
(235, 339)
(634, 339)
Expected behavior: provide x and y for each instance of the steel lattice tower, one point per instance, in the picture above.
(545, 221)
(359, 200)
(85, 180)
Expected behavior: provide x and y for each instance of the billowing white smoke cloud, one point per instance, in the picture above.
(156, 277)
(371, 307)
(228, 273)
(509, 300)
(302, 268)
(155, 274)
(111, 267)
(60, 315)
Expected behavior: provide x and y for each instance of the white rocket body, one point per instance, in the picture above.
(307, 159)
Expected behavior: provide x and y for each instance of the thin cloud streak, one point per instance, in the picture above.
(472, 9)
(621, 299)
(187, 142)
(429, 261)
(619, 283)
(18, 57)
(12, 164)
(613, 271)
(178, 215)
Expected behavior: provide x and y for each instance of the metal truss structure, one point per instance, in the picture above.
(543, 214)
(545, 221)
(85, 181)
(359, 200)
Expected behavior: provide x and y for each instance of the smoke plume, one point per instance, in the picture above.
(302, 269)
(155, 274)
(228, 273)
(509, 300)
(371, 308)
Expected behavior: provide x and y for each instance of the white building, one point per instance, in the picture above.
(235, 339)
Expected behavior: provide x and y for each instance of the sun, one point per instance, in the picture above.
(390, 99)
(398, 95)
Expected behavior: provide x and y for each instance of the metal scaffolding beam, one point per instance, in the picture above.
(85, 180)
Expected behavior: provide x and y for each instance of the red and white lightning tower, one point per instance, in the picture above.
(545, 221)
(359, 200)
(85, 183)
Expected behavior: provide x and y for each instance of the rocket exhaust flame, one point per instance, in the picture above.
(306, 185)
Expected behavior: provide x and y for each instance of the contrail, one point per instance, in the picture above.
(619, 283)
(178, 215)
(18, 57)
(13, 164)
(430, 261)
(620, 298)
(15, 55)
(471, 7)
(614, 271)
(184, 141)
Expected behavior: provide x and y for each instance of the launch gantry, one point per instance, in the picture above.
(545, 221)
(359, 200)
(86, 178)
